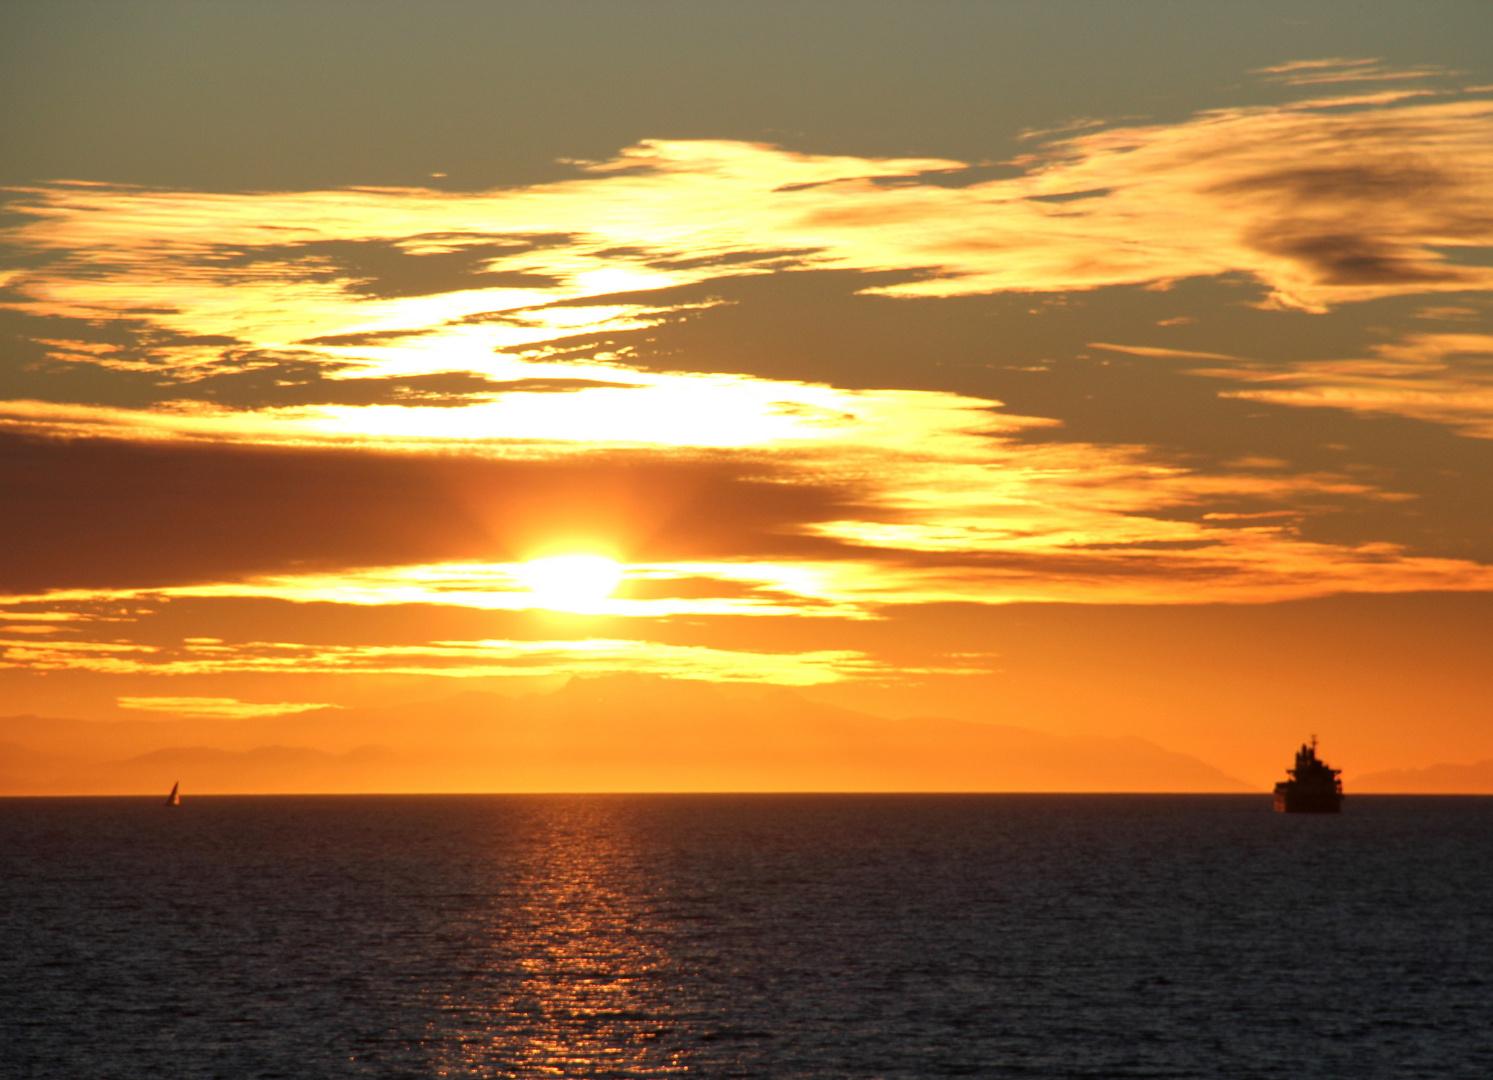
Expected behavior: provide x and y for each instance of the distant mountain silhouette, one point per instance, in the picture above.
(614, 733)
(1433, 780)
(21, 767)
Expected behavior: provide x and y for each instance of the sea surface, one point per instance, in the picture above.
(745, 936)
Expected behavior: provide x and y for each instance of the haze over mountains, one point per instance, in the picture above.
(1442, 779)
(617, 733)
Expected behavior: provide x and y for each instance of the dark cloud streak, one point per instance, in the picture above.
(107, 514)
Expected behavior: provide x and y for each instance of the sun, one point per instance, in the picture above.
(571, 582)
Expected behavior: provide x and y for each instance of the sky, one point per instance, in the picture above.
(1104, 369)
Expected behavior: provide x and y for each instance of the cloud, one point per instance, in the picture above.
(902, 494)
(1439, 378)
(1151, 350)
(393, 396)
(216, 708)
(42, 616)
(97, 513)
(1323, 202)
(1316, 72)
(1449, 313)
(454, 659)
(1320, 63)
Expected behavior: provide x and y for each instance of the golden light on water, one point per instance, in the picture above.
(577, 583)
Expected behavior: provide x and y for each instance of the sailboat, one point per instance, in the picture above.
(174, 799)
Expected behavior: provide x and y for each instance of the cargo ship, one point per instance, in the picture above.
(1313, 788)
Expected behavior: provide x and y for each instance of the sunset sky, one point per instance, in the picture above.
(1098, 368)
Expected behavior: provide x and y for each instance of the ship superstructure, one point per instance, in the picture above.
(1313, 788)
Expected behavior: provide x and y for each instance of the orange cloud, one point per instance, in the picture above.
(870, 497)
(1439, 378)
(917, 496)
(216, 708)
(1313, 72)
(1324, 202)
(456, 659)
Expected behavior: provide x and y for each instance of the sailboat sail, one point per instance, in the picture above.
(174, 799)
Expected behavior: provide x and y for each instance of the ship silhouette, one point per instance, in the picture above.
(1313, 788)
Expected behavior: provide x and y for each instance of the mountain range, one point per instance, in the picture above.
(614, 733)
(1444, 779)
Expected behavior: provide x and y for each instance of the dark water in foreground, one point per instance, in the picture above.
(757, 936)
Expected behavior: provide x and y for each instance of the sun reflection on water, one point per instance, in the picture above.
(577, 980)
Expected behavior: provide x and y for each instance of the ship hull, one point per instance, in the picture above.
(1314, 787)
(1295, 802)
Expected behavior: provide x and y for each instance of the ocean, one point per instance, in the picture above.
(779, 936)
